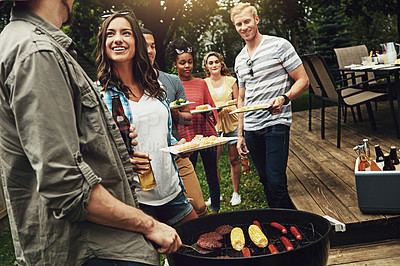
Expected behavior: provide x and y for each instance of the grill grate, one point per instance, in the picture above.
(273, 235)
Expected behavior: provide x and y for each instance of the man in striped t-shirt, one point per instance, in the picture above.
(263, 68)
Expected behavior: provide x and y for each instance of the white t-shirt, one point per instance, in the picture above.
(265, 76)
(219, 90)
(150, 118)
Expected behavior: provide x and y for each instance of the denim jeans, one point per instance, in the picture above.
(269, 150)
(209, 158)
(107, 262)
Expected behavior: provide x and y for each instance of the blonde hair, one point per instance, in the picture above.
(224, 69)
(241, 7)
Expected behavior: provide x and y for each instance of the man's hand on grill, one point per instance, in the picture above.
(165, 238)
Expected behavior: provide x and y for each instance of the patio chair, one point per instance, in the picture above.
(352, 55)
(332, 90)
(317, 92)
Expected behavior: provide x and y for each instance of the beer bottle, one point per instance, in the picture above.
(122, 122)
(388, 166)
(147, 180)
(245, 165)
(367, 150)
(379, 153)
(393, 155)
(364, 163)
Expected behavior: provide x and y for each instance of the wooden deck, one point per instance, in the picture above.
(321, 180)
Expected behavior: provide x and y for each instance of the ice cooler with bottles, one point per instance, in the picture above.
(378, 191)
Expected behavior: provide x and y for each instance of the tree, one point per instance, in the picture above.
(331, 32)
(5, 8)
(374, 22)
(162, 17)
(85, 27)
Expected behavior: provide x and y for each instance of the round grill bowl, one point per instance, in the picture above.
(313, 250)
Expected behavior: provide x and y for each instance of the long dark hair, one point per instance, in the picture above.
(143, 72)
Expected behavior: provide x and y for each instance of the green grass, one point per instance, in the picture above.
(7, 256)
(251, 190)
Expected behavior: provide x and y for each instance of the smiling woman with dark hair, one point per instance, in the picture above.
(196, 91)
(125, 70)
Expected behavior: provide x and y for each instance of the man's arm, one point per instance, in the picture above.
(301, 83)
(45, 116)
(105, 209)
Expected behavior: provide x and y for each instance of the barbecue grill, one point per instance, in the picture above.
(311, 250)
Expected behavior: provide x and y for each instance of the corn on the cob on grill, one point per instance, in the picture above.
(237, 238)
(257, 236)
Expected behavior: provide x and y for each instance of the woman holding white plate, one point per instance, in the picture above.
(223, 90)
(203, 123)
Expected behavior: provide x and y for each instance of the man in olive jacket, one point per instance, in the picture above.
(67, 176)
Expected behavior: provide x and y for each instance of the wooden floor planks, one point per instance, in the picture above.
(321, 176)
(383, 253)
(321, 180)
(326, 172)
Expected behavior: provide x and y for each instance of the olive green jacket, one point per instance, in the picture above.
(57, 141)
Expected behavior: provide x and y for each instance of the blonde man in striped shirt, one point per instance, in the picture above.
(263, 69)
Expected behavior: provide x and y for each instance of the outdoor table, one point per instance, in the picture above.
(380, 70)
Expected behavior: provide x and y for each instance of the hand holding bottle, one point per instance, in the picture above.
(140, 162)
(133, 135)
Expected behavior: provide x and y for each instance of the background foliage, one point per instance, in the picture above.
(310, 25)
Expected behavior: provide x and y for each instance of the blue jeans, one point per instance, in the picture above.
(209, 158)
(170, 213)
(106, 262)
(269, 150)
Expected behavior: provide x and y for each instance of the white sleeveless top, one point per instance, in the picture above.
(150, 118)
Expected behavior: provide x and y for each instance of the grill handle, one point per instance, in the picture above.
(339, 226)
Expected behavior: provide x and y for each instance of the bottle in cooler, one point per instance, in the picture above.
(388, 163)
(393, 155)
(378, 153)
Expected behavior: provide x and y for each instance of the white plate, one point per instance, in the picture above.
(251, 109)
(226, 105)
(174, 150)
(352, 66)
(203, 111)
(178, 106)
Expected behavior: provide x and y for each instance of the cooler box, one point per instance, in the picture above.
(378, 191)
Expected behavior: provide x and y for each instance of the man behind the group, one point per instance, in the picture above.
(181, 116)
(263, 68)
(67, 177)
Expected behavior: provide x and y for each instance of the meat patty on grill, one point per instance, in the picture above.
(224, 229)
(211, 235)
(209, 243)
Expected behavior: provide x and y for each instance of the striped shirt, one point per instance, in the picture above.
(265, 76)
(196, 91)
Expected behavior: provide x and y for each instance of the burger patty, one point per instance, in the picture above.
(224, 229)
(209, 243)
(211, 235)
